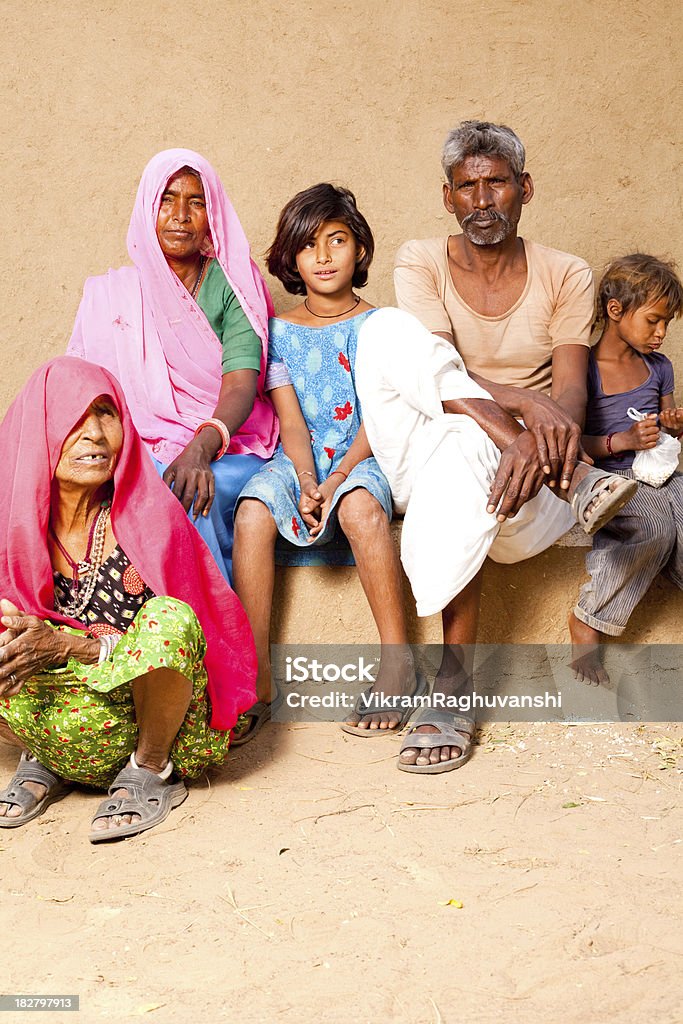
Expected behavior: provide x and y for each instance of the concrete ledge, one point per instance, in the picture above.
(527, 602)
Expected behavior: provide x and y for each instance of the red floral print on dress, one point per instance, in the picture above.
(133, 582)
(344, 362)
(329, 452)
(296, 529)
(342, 412)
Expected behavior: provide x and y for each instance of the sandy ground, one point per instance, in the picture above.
(309, 880)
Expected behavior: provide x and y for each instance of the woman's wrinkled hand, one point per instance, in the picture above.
(310, 501)
(557, 437)
(327, 489)
(27, 646)
(191, 478)
(519, 478)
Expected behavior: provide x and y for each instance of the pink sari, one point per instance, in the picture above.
(141, 323)
(148, 523)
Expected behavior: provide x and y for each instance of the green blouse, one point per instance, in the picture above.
(240, 342)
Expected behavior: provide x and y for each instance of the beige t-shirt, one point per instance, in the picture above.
(555, 308)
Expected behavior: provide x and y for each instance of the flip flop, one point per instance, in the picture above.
(451, 727)
(149, 796)
(615, 499)
(31, 770)
(260, 713)
(363, 707)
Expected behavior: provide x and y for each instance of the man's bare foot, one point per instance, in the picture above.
(586, 655)
(602, 493)
(395, 678)
(450, 678)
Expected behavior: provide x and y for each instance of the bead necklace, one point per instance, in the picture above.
(77, 603)
(202, 264)
(334, 316)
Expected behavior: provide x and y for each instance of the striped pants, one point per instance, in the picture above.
(646, 538)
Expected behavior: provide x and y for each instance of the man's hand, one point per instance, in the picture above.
(519, 478)
(190, 476)
(671, 420)
(557, 437)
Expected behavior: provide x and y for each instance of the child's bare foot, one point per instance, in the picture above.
(587, 659)
(395, 678)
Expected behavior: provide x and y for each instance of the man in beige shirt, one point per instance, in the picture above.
(519, 315)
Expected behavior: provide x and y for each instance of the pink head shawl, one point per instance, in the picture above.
(148, 523)
(142, 324)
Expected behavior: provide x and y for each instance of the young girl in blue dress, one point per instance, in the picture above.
(322, 477)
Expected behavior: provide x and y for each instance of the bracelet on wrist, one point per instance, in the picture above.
(341, 473)
(222, 430)
(608, 442)
(306, 472)
(108, 644)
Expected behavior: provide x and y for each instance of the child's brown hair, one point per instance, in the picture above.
(638, 280)
(301, 218)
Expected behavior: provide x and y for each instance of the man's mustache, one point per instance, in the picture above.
(484, 217)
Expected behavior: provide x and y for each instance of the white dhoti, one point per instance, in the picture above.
(440, 466)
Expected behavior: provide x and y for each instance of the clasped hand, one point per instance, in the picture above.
(315, 501)
(519, 478)
(27, 646)
(557, 438)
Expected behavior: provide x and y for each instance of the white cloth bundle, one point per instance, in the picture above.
(654, 466)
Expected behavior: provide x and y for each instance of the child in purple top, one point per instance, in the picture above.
(637, 298)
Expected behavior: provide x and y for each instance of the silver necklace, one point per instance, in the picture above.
(76, 605)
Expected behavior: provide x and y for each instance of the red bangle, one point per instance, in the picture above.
(222, 430)
(341, 473)
(608, 441)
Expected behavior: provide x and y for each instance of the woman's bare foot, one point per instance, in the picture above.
(14, 810)
(586, 655)
(395, 678)
(115, 821)
(246, 723)
(27, 795)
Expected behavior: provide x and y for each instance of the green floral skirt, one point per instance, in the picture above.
(79, 720)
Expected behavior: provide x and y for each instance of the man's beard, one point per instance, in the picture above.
(487, 236)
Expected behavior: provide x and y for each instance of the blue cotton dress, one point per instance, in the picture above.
(319, 363)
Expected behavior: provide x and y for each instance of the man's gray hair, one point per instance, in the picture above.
(482, 138)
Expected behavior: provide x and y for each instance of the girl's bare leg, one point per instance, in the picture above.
(366, 526)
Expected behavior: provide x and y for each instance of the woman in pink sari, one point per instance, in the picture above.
(119, 668)
(185, 331)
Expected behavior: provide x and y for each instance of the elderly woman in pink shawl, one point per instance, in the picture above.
(185, 331)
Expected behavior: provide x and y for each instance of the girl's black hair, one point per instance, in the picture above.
(298, 223)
